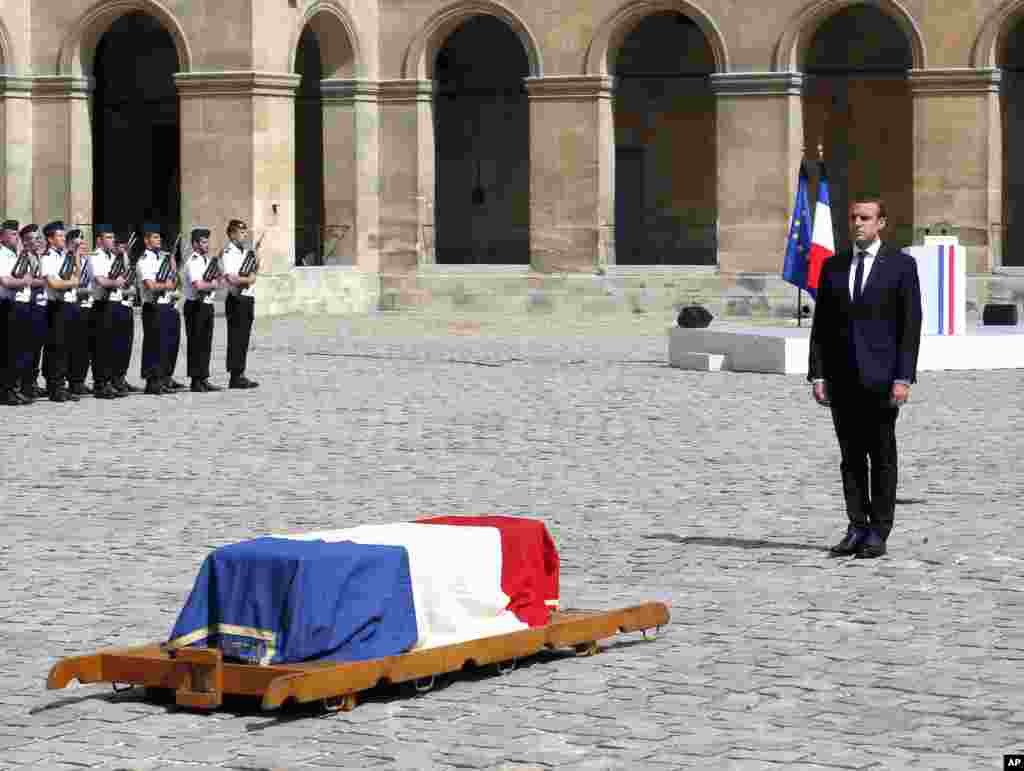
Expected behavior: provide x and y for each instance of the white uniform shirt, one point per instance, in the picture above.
(101, 262)
(86, 283)
(51, 265)
(194, 270)
(148, 266)
(7, 260)
(234, 256)
(25, 295)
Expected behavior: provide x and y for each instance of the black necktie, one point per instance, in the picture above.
(858, 277)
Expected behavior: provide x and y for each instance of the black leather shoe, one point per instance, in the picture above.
(852, 541)
(72, 396)
(125, 387)
(59, 395)
(242, 382)
(872, 548)
(174, 385)
(106, 391)
(210, 386)
(11, 398)
(154, 387)
(197, 386)
(79, 389)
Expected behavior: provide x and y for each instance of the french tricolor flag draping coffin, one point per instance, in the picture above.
(943, 276)
(370, 591)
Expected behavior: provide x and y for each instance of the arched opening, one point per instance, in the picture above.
(857, 105)
(665, 138)
(1011, 60)
(482, 146)
(309, 152)
(136, 125)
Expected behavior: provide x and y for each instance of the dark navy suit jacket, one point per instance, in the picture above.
(874, 342)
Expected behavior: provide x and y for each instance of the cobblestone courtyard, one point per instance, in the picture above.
(717, 492)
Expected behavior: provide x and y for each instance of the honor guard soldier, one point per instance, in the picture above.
(34, 245)
(123, 312)
(106, 291)
(158, 312)
(61, 271)
(239, 307)
(201, 280)
(13, 315)
(82, 345)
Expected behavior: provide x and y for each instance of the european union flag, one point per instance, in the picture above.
(798, 245)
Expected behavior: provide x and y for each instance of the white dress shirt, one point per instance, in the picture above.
(101, 262)
(52, 262)
(148, 267)
(7, 260)
(194, 270)
(233, 257)
(869, 261)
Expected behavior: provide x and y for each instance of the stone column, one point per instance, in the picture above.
(572, 172)
(238, 156)
(406, 174)
(16, 146)
(760, 143)
(958, 158)
(352, 167)
(62, 149)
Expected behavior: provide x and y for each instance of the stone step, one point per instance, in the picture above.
(697, 361)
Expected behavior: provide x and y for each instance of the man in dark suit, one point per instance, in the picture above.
(864, 343)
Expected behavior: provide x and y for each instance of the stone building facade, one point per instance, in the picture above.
(573, 155)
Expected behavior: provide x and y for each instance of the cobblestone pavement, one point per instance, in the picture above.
(715, 491)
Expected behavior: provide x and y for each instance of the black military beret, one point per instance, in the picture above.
(52, 227)
(150, 229)
(102, 230)
(198, 233)
(30, 228)
(11, 225)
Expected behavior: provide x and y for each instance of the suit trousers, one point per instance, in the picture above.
(123, 320)
(63, 334)
(199, 330)
(103, 341)
(239, 312)
(866, 429)
(82, 353)
(6, 344)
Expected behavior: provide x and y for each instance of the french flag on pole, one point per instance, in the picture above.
(823, 244)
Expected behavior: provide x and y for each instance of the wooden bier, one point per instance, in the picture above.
(200, 677)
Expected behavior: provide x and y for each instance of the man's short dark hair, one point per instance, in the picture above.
(236, 225)
(870, 198)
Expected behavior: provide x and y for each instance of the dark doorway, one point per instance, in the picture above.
(665, 138)
(1012, 64)
(136, 129)
(482, 139)
(309, 152)
(857, 104)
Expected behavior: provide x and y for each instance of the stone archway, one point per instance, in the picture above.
(135, 115)
(856, 63)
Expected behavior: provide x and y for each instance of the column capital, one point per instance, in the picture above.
(405, 91)
(569, 88)
(349, 91)
(236, 83)
(757, 83)
(954, 81)
(58, 87)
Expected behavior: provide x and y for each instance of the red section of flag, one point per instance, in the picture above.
(815, 262)
(952, 291)
(529, 563)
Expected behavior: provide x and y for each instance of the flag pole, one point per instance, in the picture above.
(799, 291)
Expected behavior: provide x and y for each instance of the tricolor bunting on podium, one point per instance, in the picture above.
(942, 274)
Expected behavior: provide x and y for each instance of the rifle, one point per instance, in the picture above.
(119, 267)
(166, 271)
(69, 266)
(21, 265)
(250, 264)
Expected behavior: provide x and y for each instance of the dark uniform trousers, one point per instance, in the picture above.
(62, 336)
(40, 322)
(161, 327)
(19, 351)
(6, 344)
(103, 342)
(122, 339)
(83, 351)
(239, 311)
(199, 330)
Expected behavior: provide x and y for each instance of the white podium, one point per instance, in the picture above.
(941, 268)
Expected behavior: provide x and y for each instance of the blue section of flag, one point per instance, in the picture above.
(277, 600)
(942, 290)
(798, 244)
